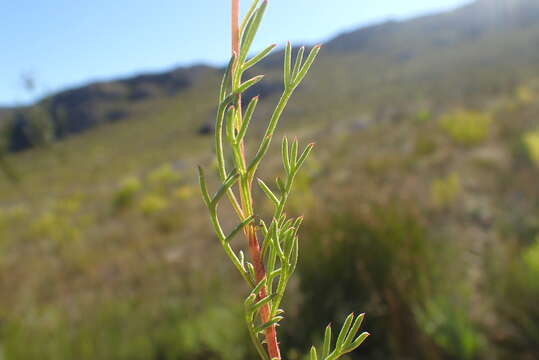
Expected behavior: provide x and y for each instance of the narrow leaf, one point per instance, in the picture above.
(313, 353)
(274, 274)
(266, 325)
(307, 65)
(262, 302)
(358, 341)
(287, 64)
(353, 330)
(284, 152)
(304, 155)
(251, 30)
(229, 124)
(299, 60)
(326, 348)
(264, 227)
(226, 79)
(231, 180)
(239, 228)
(268, 192)
(259, 286)
(248, 16)
(249, 301)
(280, 185)
(251, 270)
(344, 331)
(242, 259)
(297, 224)
(203, 186)
(293, 259)
(255, 60)
(247, 118)
(294, 153)
(247, 84)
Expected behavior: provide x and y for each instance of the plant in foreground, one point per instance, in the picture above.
(273, 260)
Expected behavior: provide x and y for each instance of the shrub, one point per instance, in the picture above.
(152, 204)
(423, 116)
(126, 193)
(513, 272)
(467, 127)
(531, 141)
(378, 259)
(164, 175)
(185, 192)
(525, 94)
(531, 261)
(446, 318)
(425, 145)
(445, 191)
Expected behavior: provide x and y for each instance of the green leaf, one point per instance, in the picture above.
(231, 180)
(203, 186)
(268, 192)
(249, 302)
(297, 224)
(264, 227)
(293, 258)
(256, 59)
(284, 152)
(247, 118)
(247, 84)
(251, 29)
(294, 153)
(239, 228)
(299, 59)
(307, 65)
(358, 341)
(262, 302)
(304, 155)
(280, 185)
(326, 348)
(226, 79)
(242, 259)
(259, 287)
(286, 224)
(274, 274)
(344, 331)
(248, 16)
(288, 241)
(287, 64)
(353, 330)
(266, 325)
(251, 270)
(230, 118)
(313, 353)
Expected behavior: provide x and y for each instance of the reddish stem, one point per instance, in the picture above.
(236, 26)
(271, 332)
(250, 231)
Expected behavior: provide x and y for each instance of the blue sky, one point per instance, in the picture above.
(65, 43)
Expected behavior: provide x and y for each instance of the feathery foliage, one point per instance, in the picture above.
(273, 260)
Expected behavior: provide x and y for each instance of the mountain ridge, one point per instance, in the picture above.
(76, 110)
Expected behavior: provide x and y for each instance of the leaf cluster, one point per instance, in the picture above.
(279, 249)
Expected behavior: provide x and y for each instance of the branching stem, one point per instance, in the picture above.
(272, 264)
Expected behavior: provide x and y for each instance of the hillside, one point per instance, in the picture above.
(478, 49)
(424, 179)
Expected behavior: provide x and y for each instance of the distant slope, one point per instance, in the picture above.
(477, 50)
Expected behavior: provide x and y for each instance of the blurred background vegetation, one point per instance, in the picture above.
(421, 203)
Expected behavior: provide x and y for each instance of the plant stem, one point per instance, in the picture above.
(236, 26)
(265, 312)
(245, 184)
